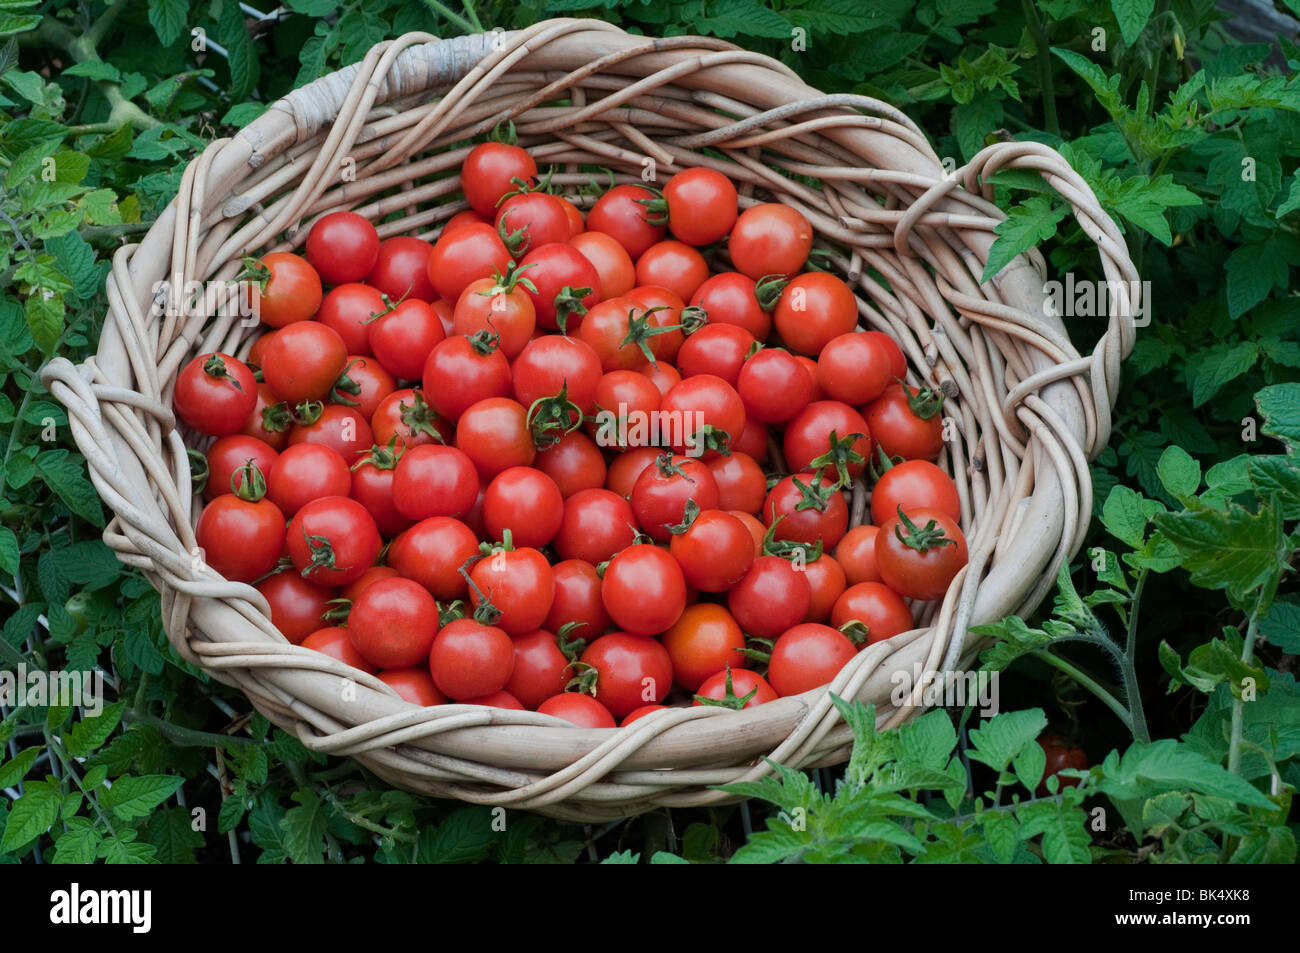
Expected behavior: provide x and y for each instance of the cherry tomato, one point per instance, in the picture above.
(215, 393)
(640, 713)
(704, 640)
(298, 607)
(525, 501)
(371, 575)
(577, 221)
(348, 310)
(494, 433)
(340, 428)
(876, 606)
(757, 531)
(920, 560)
(830, 431)
(770, 239)
(372, 487)
(826, 581)
(581, 710)
(718, 349)
(621, 214)
(242, 535)
(467, 216)
(467, 254)
(496, 700)
(856, 554)
(730, 298)
(625, 334)
(401, 271)
(906, 422)
(342, 247)
(753, 439)
(663, 375)
(393, 622)
(644, 591)
(701, 205)
(303, 362)
(774, 386)
(577, 599)
(469, 659)
(225, 458)
(363, 385)
(626, 468)
(433, 480)
(291, 291)
(405, 414)
(771, 598)
(529, 220)
(306, 472)
(631, 671)
(518, 582)
(613, 265)
(666, 306)
(741, 483)
(807, 656)
(574, 463)
(333, 540)
(743, 683)
(540, 670)
(813, 309)
(672, 265)
(856, 367)
(335, 642)
(269, 420)
(566, 282)
(432, 551)
(500, 307)
(701, 414)
(462, 371)
(914, 483)
(403, 337)
(414, 685)
(552, 363)
(1059, 755)
(489, 171)
(662, 491)
(809, 507)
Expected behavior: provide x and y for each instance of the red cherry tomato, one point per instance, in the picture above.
(701, 414)
(910, 484)
(906, 422)
(718, 349)
(826, 581)
(701, 205)
(541, 669)
(581, 710)
(372, 487)
(774, 386)
(499, 307)
(857, 367)
(808, 437)
(242, 535)
(809, 507)
(225, 458)
(577, 600)
(574, 463)
(306, 472)
(342, 247)
(335, 642)
(525, 501)
(469, 659)
(621, 214)
(403, 337)
(807, 656)
(813, 309)
(291, 292)
(856, 554)
(704, 640)
(743, 683)
(432, 552)
(298, 607)
(518, 582)
(433, 480)
(613, 265)
(405, 414)
(919, 561)
(364, 385)
(644, 591)
(489, 171)
(467, 254)
(566, 282)
(348, 310)
(401, 270)
(215, 393)
(662, 491)
(414, 685)
(731, 298)
(462, 371)
(741, 482)
(393, 622)
(876, 606)
(771, 598)
(672, 265)
(529, 220)
(340, 428)
(631, 671)
(333, 540)
(303, 361)
(770, 239)
(495, 435)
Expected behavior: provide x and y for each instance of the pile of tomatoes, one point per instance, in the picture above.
(586, 464)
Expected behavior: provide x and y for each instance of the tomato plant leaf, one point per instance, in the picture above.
(1027, 224)
(1005, 735)
(1237, 551)
(133, 797)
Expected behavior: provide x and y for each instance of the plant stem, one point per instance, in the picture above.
(185, 737)
(1088, 682)
(1042, 55)
(1238, 706)
(451, 16)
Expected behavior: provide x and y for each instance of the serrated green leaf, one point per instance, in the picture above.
(133, 797)
(168, 18)
(1124, 516)
(65, 474)
(78, 844)
(1001, 832)
(31, 815)
(44, 311)
(1026, 225)
(1280, 625)
(1280, 406)
(8, 553)
(1004, 736)
(171, 832)
(1275, 844)
(1217, 366)
(464, 837)
(1063, 829)
(14, 770)
(1132, 16)
(1234, 550)
(1147, 769)
(88, 734)
(778, 843)
(1180, 474)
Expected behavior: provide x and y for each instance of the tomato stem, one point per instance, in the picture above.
(921, 538)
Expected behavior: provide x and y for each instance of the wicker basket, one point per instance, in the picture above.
(386, 136)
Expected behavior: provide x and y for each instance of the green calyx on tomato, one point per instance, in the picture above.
(690, 513)
(307, 412)
(814, 496)
(254, 270)
(504, 132)
(692, 317)
(338, 611)
(247, 482)
(484, 342)
(881, 464)
(730, 699)
(199, 470)
(277, 418)
(841, 456)
(758, 650)
(571, 649)
(381, 458)
(640, 330)
(450, 612)
(215, 367)
(709, 439)
(419, 417)
(345, 385)
(512, 279)
(768, 290)
(585, 679)
(322, 554)
(485, 613)
(925, 402)
(790, 549)
(549, 419)
(568, 302)
(921, 538)
(856, 631)
(656, 207)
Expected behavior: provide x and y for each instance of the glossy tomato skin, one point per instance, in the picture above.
(393, 622)
(753, 439)
(370, 381)
(704, 640)
(663, 375)
(702, 205)
(807, 656)
(342, 429)
(414, 685)
(813, 309)
(298, 607)
(577, 599)
(225, 458)
(770, 239)
(346, 528)
(401, 270)
(406, 414)
(899, 430)
(433, 480)
(306, 472)
(715, 552)
(608, 330)
(856, 554)
(876, 606)
(502, 699)
(292, 293)
(672, 265)
(574, 463)
(491, 306)
(856, 367)
(460, 372)
(644, 591)
(494, 434)
(335, 642)
(815, 511)
(303, 361)
(620, 214)
(698, 409)
(626, 468)
(553, 268)
(215, 393)
(911, 572)
(914, 483)
(468, 659)
(743, 682)
(347, 311)
(596, 525)
(613, 265)
(531, 220)
(661, 492)
(808, 436)
(432, 551)
(525, 501)
(519, 582)
(553, 362)
(465, 255)
(730, 298)
(488, 172)
(403, 338)
(771, 598)
(269, 420)
(342, 247)
(581, 710)
(241, 539)
(774, 386)
(718, 349)
(640, 713)
(826, 581)
(540, 670)
(1059, 755)
(369, 577)
(372, 487)
(631, 671)
(757, 530)
(741, 482)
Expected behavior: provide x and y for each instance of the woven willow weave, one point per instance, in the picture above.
(385, 138)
